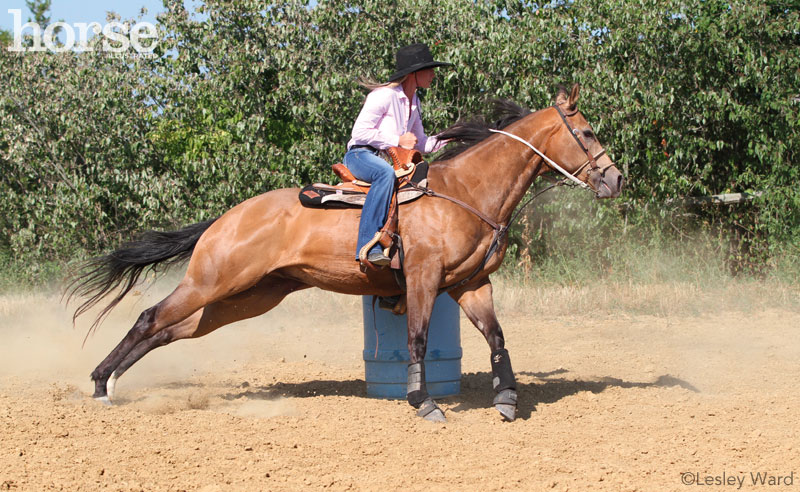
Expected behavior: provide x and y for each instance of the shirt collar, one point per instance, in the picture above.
(402, 94)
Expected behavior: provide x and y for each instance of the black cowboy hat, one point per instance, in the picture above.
(412, 58)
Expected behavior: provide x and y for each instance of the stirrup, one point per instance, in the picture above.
(363, 253)
(388, 303)
(379, 259)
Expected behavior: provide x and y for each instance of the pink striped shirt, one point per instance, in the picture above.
(385, 116)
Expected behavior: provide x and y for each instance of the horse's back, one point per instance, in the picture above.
(273, 231)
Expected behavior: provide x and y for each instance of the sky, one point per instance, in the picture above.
(72, 11)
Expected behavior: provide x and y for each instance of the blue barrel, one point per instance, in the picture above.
(386, 361)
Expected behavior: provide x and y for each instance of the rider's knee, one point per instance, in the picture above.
(386, 174)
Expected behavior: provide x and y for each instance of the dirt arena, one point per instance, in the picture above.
(636, 396)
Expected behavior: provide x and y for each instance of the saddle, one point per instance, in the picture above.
(410, 170)
(350, 192)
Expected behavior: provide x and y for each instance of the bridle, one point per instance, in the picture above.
(591, 160)
(501, 230)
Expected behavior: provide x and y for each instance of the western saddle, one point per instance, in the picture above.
(404, 162)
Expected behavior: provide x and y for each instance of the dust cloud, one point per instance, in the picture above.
(38, 344)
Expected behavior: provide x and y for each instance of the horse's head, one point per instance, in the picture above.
(576, 147)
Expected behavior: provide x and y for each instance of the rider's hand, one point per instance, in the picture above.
(408, 140)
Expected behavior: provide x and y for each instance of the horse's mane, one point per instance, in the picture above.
(465, 134)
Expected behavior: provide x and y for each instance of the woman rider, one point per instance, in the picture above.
(390, 118)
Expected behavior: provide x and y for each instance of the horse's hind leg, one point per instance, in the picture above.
(163, 337)
(252, 302)
(476, 301)
(150, 322)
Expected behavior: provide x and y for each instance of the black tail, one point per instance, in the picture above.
(152, 251)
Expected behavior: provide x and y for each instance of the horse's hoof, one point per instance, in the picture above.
(436, 416)
(506, 403)
(111, 385)
(431, 412)
(509, 412)
(104, 400)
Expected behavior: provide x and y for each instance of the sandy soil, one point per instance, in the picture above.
(623, 402)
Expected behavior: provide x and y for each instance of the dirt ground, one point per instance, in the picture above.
(607, 402)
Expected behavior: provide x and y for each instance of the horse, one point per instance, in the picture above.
(245, 262)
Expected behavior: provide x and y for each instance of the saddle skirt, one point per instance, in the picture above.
(409, 168)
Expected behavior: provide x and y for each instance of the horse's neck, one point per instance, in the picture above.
(494, 175)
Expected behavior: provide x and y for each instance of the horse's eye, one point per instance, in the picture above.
(588, 134)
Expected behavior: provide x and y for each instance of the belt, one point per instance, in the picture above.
(368, 147)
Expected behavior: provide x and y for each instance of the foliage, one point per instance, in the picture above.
(691, 97)
(78, 169)
(40, 10)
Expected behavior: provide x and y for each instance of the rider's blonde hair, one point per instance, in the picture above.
(372, 84)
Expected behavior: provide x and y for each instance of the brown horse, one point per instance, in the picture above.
(246, 261)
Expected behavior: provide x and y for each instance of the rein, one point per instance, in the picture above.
(549, 161)
(501, 231)
(464, 205)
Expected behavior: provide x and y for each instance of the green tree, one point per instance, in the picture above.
(690, 97)
(78, 172)
(40, 10)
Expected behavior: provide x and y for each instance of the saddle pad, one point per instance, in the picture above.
(320, 195)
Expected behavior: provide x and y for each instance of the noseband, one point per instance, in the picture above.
(591, 160)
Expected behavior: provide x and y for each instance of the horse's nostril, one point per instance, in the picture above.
(619, 182)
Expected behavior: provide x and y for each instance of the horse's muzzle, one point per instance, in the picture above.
(608, 183)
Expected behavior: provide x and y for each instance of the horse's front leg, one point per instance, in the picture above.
(476, 301)
(422, 290)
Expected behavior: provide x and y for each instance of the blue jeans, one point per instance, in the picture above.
(367, 166)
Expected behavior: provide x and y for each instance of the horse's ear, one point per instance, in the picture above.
(562, 97)
(573, 96)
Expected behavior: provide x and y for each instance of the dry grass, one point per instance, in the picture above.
(656, 299)
(511, 296)
(13, 303)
